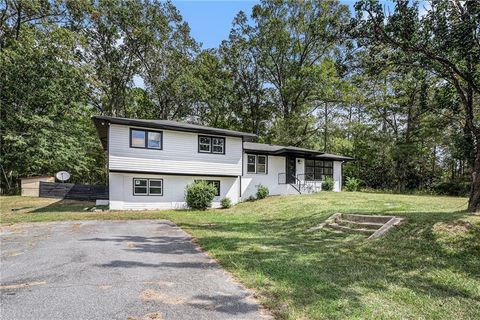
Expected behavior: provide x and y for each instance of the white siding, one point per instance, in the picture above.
(250, 181)
(337, 176)
(276, 165)
(122, 198)
(179, 155)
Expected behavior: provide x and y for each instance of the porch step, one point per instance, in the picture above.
(339, 227)
(366, 218)
(373, 226)
(365, 225)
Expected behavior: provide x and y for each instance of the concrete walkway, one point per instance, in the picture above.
(144, 269)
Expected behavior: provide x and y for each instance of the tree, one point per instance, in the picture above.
(250, 100)
(45, 125)
(292, 42)
(444, 41)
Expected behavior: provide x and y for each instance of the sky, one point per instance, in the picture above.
(210, 21)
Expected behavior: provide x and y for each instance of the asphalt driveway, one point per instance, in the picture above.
(144, 269)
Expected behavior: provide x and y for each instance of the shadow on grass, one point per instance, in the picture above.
(65, 205)
(328, 268)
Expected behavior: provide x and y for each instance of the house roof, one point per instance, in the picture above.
(291, 150)
(173, 125)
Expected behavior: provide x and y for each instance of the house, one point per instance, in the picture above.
(151, 161)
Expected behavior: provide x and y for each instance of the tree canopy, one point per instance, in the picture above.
(395, 85)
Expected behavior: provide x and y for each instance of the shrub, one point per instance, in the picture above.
(352, 184)
(452, 188)
(327, 184)
(226, 203)
(199, 195)
(262, 192)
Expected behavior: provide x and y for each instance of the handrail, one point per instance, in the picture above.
(301, 179)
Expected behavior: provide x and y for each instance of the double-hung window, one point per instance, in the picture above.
(146, 187)
(256, 163)
(145, 139)
(208, 144)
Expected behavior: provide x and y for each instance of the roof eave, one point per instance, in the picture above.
(133, 122)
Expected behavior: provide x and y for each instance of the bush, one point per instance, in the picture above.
(352, 184)
(453, 188)
(262, 192)
(199, 195)
(226, 203)
(327, 184)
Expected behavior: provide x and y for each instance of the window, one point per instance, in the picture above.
(145, 139)
(216, 183)
(140, 187)
(261, 164)
(218, 145)
(318, 169)
(155, 187)
(137, 138)
(251, 164)
(154, 140)
(204, 144)
(256, 163)
(208, 144)
(145, 187)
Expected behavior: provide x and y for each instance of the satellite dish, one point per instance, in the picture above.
(62, 176)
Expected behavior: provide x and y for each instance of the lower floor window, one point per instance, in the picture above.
(216, 184)
(145, 187)
(318, 169)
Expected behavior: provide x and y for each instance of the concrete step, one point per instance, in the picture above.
(336, 226)
(357, 224)
(365, 218)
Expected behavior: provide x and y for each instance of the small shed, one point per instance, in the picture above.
(31, 185)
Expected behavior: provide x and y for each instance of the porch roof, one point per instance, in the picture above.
(278, 150)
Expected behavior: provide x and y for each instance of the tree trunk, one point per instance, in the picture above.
(474, 200)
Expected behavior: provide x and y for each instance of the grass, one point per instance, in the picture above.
(427, 268)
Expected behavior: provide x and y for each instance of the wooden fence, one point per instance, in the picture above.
(73, 191)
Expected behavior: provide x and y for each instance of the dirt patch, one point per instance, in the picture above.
(13, 253)
(104, 286)
(458, 227)
(21, 285)
(14, 228)
(153, 316)
(154, 295)
(150, 316)
(76, 226)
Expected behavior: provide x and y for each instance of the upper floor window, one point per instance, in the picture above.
(145, 139)
(256, 163)
(207, 144)
(318, 169)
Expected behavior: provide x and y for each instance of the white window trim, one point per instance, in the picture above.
(148, 187)
(265, 164)
(157, 187)
(256, 163)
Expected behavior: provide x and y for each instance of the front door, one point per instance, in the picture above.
(291, 169)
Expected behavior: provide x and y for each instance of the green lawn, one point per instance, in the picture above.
(429, 267)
